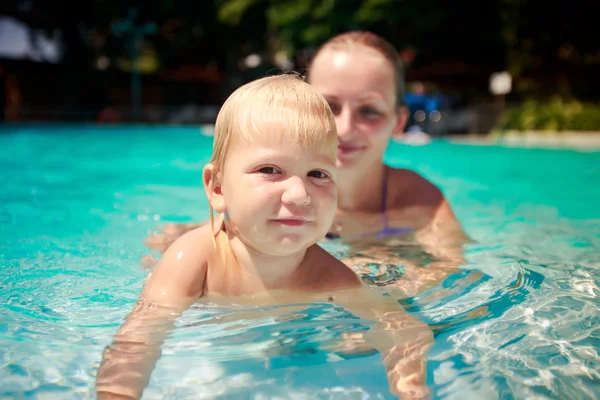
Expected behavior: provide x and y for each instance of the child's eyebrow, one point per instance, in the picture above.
(320, 159)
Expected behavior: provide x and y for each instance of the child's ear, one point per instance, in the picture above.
(402, 116)
(211, 178)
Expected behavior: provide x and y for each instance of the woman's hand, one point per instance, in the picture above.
(169, 233)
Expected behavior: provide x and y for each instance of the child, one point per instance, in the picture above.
(272, 182)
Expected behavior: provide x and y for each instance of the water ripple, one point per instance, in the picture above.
(519, 319)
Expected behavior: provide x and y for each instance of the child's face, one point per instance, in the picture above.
(279, 198)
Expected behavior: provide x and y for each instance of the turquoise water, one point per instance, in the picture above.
(519, 321)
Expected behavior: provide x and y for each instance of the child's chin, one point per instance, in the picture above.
(293, 243)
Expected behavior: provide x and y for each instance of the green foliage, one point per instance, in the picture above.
(373, 11)
(588, 119)
(231, 12)
(300, 23)
(555, 115)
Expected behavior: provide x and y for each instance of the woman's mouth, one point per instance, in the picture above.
(347, 150)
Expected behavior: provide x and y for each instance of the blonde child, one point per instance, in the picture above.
(272, 183)
(380, 208)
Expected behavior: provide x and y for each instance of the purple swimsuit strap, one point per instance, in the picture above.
(387, 230)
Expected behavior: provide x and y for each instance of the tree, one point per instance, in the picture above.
(300, 23)
(550, 46)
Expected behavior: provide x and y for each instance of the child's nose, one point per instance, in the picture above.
(295, 192)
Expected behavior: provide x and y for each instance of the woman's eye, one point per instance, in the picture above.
(370, 112)
(335, 109)
(268, 170)
(318, 174)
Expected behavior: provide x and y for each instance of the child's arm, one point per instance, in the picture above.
(175, 284)
(401, 339)
(415, 279)
(128, 361)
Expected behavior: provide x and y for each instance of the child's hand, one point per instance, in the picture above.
(402, 339)
(406, 371)
(113, 396)
(352, 344)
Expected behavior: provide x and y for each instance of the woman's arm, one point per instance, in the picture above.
(444, 234)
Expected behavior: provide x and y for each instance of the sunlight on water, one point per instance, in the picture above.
(518, 320)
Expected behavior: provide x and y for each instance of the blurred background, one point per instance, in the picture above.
(471, 66)
(102, 108)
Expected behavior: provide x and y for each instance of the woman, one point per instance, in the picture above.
(380, 207)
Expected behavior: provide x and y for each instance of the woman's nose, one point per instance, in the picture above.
(344, 122)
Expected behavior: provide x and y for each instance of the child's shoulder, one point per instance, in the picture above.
(330, 272)
(195, 243)
(180, 275)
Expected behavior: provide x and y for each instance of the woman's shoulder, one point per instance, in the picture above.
(407, 185)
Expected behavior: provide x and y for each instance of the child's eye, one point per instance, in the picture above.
(318, 174)
(269, 170)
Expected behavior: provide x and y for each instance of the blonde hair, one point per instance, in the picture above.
(281, 107)
(370, 41)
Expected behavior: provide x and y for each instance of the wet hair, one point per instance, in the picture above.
(281, 108)
(370, 41)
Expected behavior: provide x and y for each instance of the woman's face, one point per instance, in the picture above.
(359, 86)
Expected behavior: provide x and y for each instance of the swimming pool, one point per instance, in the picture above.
(77, 201)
